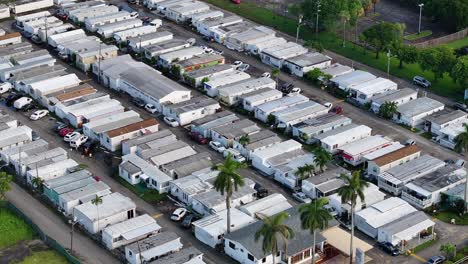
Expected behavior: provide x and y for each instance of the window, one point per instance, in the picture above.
(130, 253)
(263, 260)
(250, 257)
(232, 245)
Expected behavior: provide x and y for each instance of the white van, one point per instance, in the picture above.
(5, 87)
(235, 155)
(78, 141)
(20, 103)
(156, 22)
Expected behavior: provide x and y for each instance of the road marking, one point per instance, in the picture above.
(156, 216)
(418, 258)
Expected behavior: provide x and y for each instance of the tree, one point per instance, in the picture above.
(459, 71)
(273, 232)
(315, 216)
(97, 201)
(271, 119)
(448, 249)
(387, 109)
(244, 140)
(459, 206)
(38, 183)
(314, 44)
(374, 3)
(356, 10)
(449, 13)
(5, 180)
(366, 5)
(329, 11)
(344, 17)
(304, 172)
(228, 181)
(353, 188)
(275, 73)
(382, 36)
(406, 54)
(439, 60)
(205, 79)
(314, 74)
(461, 141)
(322, 158)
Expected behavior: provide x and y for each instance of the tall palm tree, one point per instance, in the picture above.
(322, 158)
(304, 172)
(353, 188)
(274, 232)
(315, 216)
(244, 140)
(227, 182)
(97, 201)
(38, 183)
(462, 140)
(5, 180)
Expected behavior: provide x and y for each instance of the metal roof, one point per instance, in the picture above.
(285, 51)
(188, 165)
(85, 192)
(419, 106)
(299, 111)
(439, 179)
(146, 168)
(262, 138)
(282, 103)
(69, 178)
(361, 145)
(237, 129)
(112, 204)
(133, 227)
(195, 103)
(308, 59)
(406, 223)
(386, 211)
(353, 78)
(320, 123)
(445, 116)
(152, 242)
(394, 95)
(245, 86)
(331, 137)
(182, 256)
(112, 122)
(214, 120)
(208, 71)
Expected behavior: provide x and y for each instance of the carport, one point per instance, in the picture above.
(340, 239)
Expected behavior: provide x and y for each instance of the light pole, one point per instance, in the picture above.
(316, 20)
(388, 63)
(420, 14)
(298, 26)
(73, 222)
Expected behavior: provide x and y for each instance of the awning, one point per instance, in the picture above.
(144, 177)
(340, 240)
(141, 231)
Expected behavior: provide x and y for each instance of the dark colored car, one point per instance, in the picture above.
(337, 110)
(28, 107)
(261, 191)
(58, 126)
(65, 131)
(10, 99)
(421, 81)
(188, 220)
(198, 138)
(461, 106)
(436, 260)
(286, 87)
(88, 148)
(138, 102)
(208, 38)
(35, 136)
(389, 248)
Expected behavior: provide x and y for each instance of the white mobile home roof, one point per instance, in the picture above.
(419, 106)
(188, 8)
(207, 14)
(133, 228)
(278, 149)
(106, 17)
(374, 86)
(353, 78)
(108, 29)
(85, 193)
(386, 211)
(394, 95)
(57, 39)
(151, 39)
(111, 205)
(282, 103)
(266, 206)
(308, 59)
(67, 179)
(316, 124)
(210, 71)
(261, 94)
(383, 151)
(299, 110)
(65, 164)
(215, 225)
(94, 125)
(138, 32)
(81, 14)
(57, 154)
(11, 136)
(152, 171)
(183, 53)
(288, 50)
(361, 145)
(270, 43)
(90, 109)
(31, 56)
(33, 16)
(245, 86)
(336, 136)
(50, 85)
(227, 78)
(337, 69)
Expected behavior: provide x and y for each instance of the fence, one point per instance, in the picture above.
(442, 40)
(48, 240)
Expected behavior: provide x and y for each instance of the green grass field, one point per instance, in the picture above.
(445, 86)
(42, 257)
(446, 216)
(417, 36)
(13, 229)
(458, 43)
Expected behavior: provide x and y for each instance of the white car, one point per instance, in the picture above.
(209, 50)
(237, 64)
(151, 108)
(217, 146)
(301, 197)
(178, 214)
(328, 105)
(71, 136)
(235, 155)
(295, 90)
(171, 121)
(77, 142)
(266, 74)
(243, 67)
(5, 87)
(39, 114)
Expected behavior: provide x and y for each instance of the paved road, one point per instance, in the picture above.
(53, 226)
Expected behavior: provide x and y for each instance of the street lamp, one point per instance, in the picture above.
(420, 14)
(298, 26)
(316, 21)
(72, 223)
(388, 64)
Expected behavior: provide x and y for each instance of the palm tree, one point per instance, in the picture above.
(315, 216)
(5, 180)
(273, 231)
(387, 109)
(228, 181)
(353, 188)
(304, 172)
(244, 140)
(97, 201)
(275, 73)
(322, 158)
(38, 183)
(462, 140)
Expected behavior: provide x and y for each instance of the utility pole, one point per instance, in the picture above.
(420, 14)
(317, 20)
(388, 64)
(45, 18)
(141, 49)
(99, 63)
(298, 26)
(73, 222)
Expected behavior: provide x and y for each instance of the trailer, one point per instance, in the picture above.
(43, 33)
(79, 15)
(123, 36)
(136, 43)
(24, 6)
(33, 26)
(57, 39)
(20, 20)
(93, 23)
(108, 30)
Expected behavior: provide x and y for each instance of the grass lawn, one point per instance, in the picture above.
(13, 229)
(458, 43)
(427, 135)
(424, 245)
(445, 86)
(417, 36)
(146, 194)
(41, 257)
(446, 216)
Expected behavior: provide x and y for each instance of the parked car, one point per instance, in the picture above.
(301, 197)
(35, 136)
(388, 248)
(217, 146)
(461, 106)
(336, 110)
(36, 39)
(436, 260)
(261, 191)
(5, 87)
(62, 132)
(27, 107)
(138, 102)
(421, 81)
(88, 148)
(39, 114)
(208, 50)
(188, 220)
(71, 136)
(151, 108)
(58, 126)
(218, 52)
(328, 105)
(266, 74)
(11, 98)
(293, 91)
(409, 142)
(235, 155)
(244, 67)
(237, 64)
(331, 210)
(78, 141)
(285, 87)
(21, 102)
(208, 38)
(198, 138)
(171, 121)
(178, 214)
